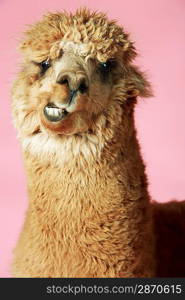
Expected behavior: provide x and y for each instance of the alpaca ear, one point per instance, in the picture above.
(138, 85)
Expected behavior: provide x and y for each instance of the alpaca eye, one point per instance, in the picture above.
(105, 66)
(45, 65)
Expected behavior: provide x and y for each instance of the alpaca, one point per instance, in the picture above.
(89, 212)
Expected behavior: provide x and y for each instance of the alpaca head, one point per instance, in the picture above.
(75, 68)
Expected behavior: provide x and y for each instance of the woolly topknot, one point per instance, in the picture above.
(83, 26)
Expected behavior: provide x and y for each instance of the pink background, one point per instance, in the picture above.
(158, 27)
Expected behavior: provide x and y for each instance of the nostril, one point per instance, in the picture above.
(83, 87)
(63, 81)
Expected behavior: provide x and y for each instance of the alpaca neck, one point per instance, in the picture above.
(95, 209)
(116, 176)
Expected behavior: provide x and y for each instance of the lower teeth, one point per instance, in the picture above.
(54, 114)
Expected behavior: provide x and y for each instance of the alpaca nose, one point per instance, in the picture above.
(75, 82)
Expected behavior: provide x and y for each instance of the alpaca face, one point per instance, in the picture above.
(76, 78)
(73, 89)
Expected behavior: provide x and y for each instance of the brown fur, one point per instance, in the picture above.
(169, 227)
(89, 213)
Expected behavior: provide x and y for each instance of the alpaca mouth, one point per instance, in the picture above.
(54, 113)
